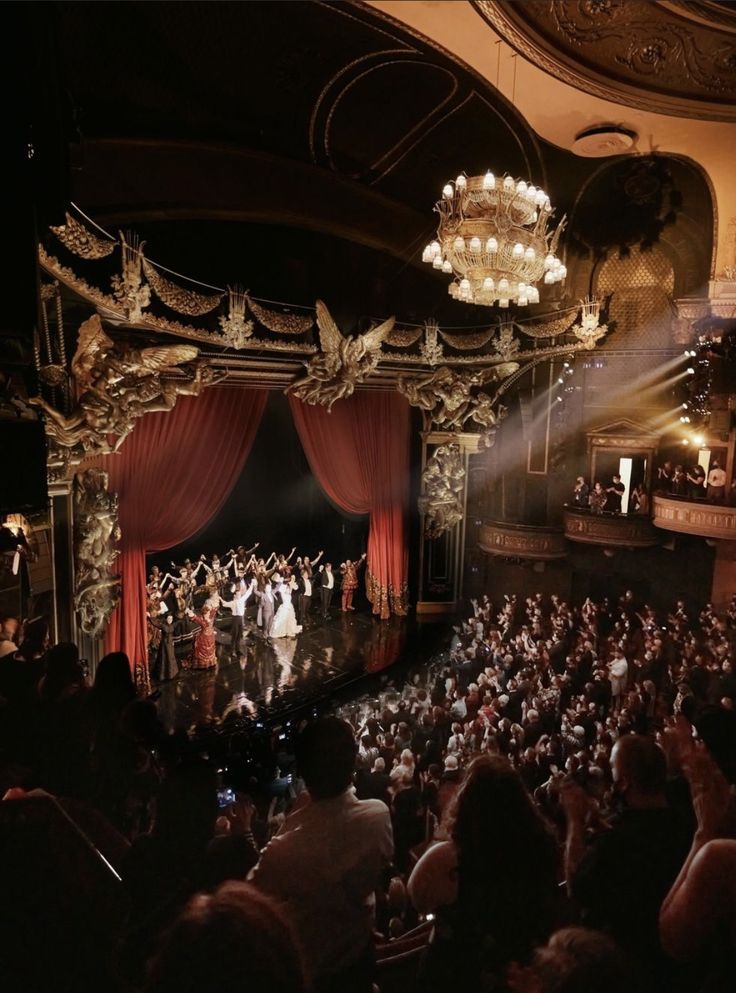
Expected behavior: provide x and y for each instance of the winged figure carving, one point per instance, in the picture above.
(449, 399)
(342, 362)
(115, 384)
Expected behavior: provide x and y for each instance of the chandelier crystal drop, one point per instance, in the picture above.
(494, 236)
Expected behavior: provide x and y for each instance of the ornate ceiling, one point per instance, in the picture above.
(668, 56)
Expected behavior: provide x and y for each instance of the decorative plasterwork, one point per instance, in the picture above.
(709, 521)
(622, 433)
(610, 530)
(520, 541)
(96, 534)
(642, 53)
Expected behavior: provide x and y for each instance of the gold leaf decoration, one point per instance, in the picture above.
(279, 322)
(78, 239)
(176, 297)
(404, 337)
(466, 342)
(550, 329)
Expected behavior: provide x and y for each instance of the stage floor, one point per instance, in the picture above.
(274, 678)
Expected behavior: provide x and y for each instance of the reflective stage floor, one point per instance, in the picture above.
(270, 679)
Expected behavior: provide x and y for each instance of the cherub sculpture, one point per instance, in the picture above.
(443, 480)
(116, 384)
(342, 363)
(96, 533)
(448, 398)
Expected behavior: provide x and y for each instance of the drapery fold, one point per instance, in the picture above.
(359, 453)
(172, 475)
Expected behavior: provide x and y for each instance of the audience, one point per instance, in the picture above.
(559, 765)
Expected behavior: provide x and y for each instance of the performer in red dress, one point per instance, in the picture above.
(204, 655)
(349, 570)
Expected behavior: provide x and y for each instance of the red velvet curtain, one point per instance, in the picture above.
(172, 475)
(360, 455)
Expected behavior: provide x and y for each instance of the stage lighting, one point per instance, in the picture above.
(690, 371)
(686, 441)
(698, 439)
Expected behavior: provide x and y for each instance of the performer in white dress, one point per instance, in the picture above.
(284, 624)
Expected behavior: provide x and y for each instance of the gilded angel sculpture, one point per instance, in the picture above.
(342, 363)
(116, 384)
(443, 481)
(96, 533)
(447, 396)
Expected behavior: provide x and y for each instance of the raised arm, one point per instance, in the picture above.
(249, 551)
(271, 556)
(290, 556)
(316, 560)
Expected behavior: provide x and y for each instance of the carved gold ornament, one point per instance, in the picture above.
(341, 364)
(236, 328)
(129, 289)
(279, 322)
(176, 297)
(96, 533)
(467, 342)
(115, 385)
(431, 348)
(404, 337)
(448, 398)
(81, 241)
(443, 484)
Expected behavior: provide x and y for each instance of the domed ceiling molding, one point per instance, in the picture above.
(655, 55)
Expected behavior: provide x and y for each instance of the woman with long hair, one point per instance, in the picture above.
(492, 886)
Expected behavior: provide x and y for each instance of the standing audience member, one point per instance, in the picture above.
(492, 886)
(327, 861)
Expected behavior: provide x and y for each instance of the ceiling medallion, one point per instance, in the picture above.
(494, 237)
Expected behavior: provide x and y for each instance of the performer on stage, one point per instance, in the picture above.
(284, 623)
(266, 605)
(349, 570)
(164, 664)
(304, 597)
(241, 594)
(204, 655)
(327, 586)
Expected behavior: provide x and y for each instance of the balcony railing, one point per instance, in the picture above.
(523, 541)
(610, 530)
(710, 520)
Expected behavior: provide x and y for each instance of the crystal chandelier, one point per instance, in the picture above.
(494, 237)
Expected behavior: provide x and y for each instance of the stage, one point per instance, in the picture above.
(271, 679)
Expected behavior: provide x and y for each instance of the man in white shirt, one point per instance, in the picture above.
(305, 594)
(327, 860)
(241, 594)
(716, 482)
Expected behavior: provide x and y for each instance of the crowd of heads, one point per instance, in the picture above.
(548, 783)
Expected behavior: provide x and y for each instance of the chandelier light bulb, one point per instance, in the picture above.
(533, 294)
(492, 246)
(522, 301)
(530, 254)
(459, 244)
(522, 289)
(518, 250)
(437, 262)
(549, 261)
(549, 277)
(434, 247)
(475, 244)
(531, 193)
(448, 192)
(521, 187)
(488, 284)
(461, 182)
(503, 302)
(447, 266)
(489, 181)
(562, 271)
(503, 286)
(508, 183)
(427, 254)
(540, 198)
(465, 285)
